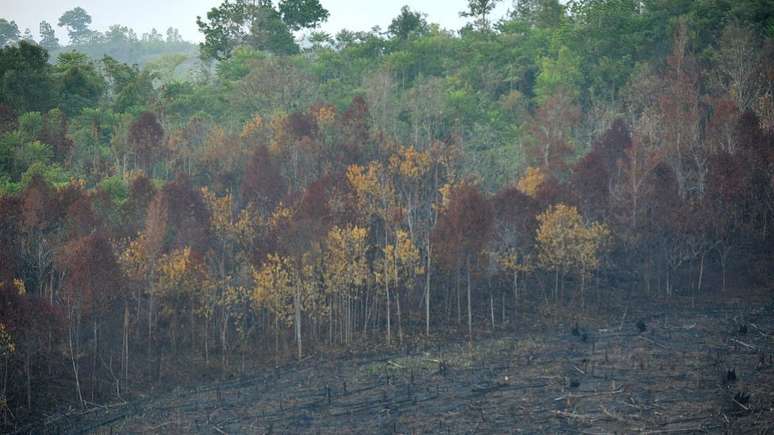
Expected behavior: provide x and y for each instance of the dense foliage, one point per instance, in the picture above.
(370, 185)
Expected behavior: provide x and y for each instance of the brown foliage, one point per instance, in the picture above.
(263, 184)
(465, 224)
(93, 277)
(177, 217)
(145, 136)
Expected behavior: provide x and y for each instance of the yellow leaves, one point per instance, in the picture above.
(7, 345)
(401, 260)
(513, 261)
(531, 182)
(565, 242)
(280, 217)
(280, 134)
(410, 163)
(325, 115)
(251, 127)
(365, 180)
(21, 289)
(173, 267)
(240, 229)
(375, 193)
(181, 278)
(133, 259)
(275, 283)
(220, 211)
(345, 264)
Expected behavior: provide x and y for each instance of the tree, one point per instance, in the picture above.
(77, 22)
(258, 25)
(286, 288)
(25, 83)
(376, 198)
(145, 137)
(92, 280)
(48, 39)
(538, 13)
(302, 14)
(408, 24)
(566, 244)
(479, 10)
(9, 32)
(80, 85)
(739, 65)
(514, 228)
(183, 287)
(551, 133)
(345, 269)
(464, 227)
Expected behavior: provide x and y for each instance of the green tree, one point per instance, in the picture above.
(302, 14)
(9, 32)
(538, 13)
(48, 39)
(408, 24)
(79, 83)
(244, 22)
(25, 82)
(77, 22)
(479, 10)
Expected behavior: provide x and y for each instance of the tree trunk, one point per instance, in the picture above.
(28, 371)
(470, 313)
(125, 344)
(515, 294)
(701, 272)
(427, 289)
(491, 308)
(297, 306)
(73, 362)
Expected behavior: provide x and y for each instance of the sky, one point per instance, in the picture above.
(143, 15)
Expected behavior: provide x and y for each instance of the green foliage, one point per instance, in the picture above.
(116, 188)
(408, 24)
(78, 81)
(77, 22)
(302, 14)
(240, 63)
(242, 22)
(31, 125)
(25, 82)
(559, 74)
(52, 173)
(9, 32)
(48, 39)
(34, 152)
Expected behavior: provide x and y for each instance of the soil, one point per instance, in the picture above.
(597, 373)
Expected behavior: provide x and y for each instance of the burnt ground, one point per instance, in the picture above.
(605, 377)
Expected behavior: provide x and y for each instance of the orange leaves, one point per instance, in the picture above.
(410, 163)
(375, 194)
(531, 182)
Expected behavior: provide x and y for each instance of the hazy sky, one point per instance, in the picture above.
(142, 15)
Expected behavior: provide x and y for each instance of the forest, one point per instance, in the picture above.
(171, 211)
